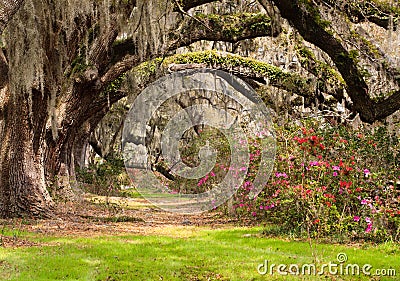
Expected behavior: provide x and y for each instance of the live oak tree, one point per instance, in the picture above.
(62, 64)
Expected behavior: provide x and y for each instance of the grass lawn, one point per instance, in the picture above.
(182, 253)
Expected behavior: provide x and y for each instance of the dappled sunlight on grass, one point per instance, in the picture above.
(177, 253)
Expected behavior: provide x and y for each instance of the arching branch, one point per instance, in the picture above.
(228, 28)
(245, 68)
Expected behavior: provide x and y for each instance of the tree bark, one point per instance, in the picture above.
(22, 178)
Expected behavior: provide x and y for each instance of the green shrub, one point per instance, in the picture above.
(104, 178)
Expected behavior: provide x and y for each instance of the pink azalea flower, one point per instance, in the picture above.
(369, 228)
(356, 218)
(335, 174)
(246, 183)
(366, 172)
(278, 175)
(336, 168)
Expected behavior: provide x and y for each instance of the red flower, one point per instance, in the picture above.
(300, 140)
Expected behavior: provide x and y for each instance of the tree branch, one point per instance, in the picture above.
(376, 12)
(247, 68)
(328, 79)
(102, 45)
(127, 63)
(227, 28)
(230, 28)
(189, 4)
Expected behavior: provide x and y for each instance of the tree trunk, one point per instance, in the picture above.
(79, 120)
(22, 178)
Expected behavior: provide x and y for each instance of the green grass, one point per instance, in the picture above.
(179, 253)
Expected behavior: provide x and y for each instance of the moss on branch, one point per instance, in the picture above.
(236, 24)
(228, 28)
(246, 67)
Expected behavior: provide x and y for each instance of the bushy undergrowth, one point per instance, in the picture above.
(331, 182)
(104, 178)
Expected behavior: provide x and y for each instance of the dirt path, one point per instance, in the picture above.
(88, 219)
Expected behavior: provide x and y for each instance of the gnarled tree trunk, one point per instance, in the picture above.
(22, 178)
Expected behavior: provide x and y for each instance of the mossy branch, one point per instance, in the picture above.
(241, 66)
(375, 11)
(228, 28)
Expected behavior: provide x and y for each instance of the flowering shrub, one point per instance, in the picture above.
(326, 182)
(330, 181)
